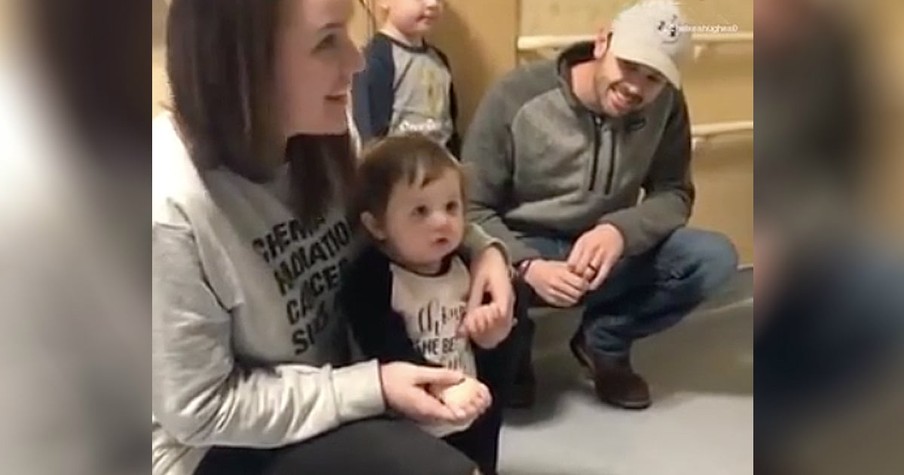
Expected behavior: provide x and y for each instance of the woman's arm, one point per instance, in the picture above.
(476, 240)
(202, 397)
(491, 283)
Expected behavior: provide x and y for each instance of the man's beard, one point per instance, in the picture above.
(633, 100)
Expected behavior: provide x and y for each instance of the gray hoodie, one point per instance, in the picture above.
(543, 164)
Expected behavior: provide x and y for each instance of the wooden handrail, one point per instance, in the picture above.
(701, 133)
(720, 128)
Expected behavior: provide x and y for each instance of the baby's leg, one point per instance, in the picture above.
(496, 369)
(498, 366)
(480, 441)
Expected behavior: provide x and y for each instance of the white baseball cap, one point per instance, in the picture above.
(650, 32)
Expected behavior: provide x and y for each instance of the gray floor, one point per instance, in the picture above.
(701, 422)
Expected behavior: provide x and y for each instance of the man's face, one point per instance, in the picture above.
(622, 86)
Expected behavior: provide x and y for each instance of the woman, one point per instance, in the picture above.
(251, 172)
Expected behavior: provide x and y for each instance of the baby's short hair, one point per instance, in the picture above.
(412, 157)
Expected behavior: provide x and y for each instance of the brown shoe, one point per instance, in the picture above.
(615, 381)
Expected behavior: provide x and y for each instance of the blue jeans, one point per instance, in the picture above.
(650, 292)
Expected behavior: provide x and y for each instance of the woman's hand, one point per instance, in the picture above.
(470, 396)
(405, 391)
(490, 276)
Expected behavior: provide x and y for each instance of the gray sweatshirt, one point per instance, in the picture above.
(248, 346)
(544, 164)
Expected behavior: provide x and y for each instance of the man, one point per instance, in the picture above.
(561, 151)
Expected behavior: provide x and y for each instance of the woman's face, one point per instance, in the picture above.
(315, 62)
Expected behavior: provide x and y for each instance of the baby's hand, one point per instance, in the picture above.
(467, 399)
(486, 326)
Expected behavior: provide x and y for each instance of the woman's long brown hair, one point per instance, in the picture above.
(220, 64)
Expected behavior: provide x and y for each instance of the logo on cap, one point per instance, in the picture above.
(668, 30)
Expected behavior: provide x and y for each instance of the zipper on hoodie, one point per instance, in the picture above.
(611, 173)
(597, 130)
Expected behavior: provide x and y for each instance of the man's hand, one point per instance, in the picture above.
(555, 283)
(595, 252)
(490, 275)
(469, 397)
(404, 390)
(486, 326)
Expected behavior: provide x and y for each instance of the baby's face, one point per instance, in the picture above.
(423, 224)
